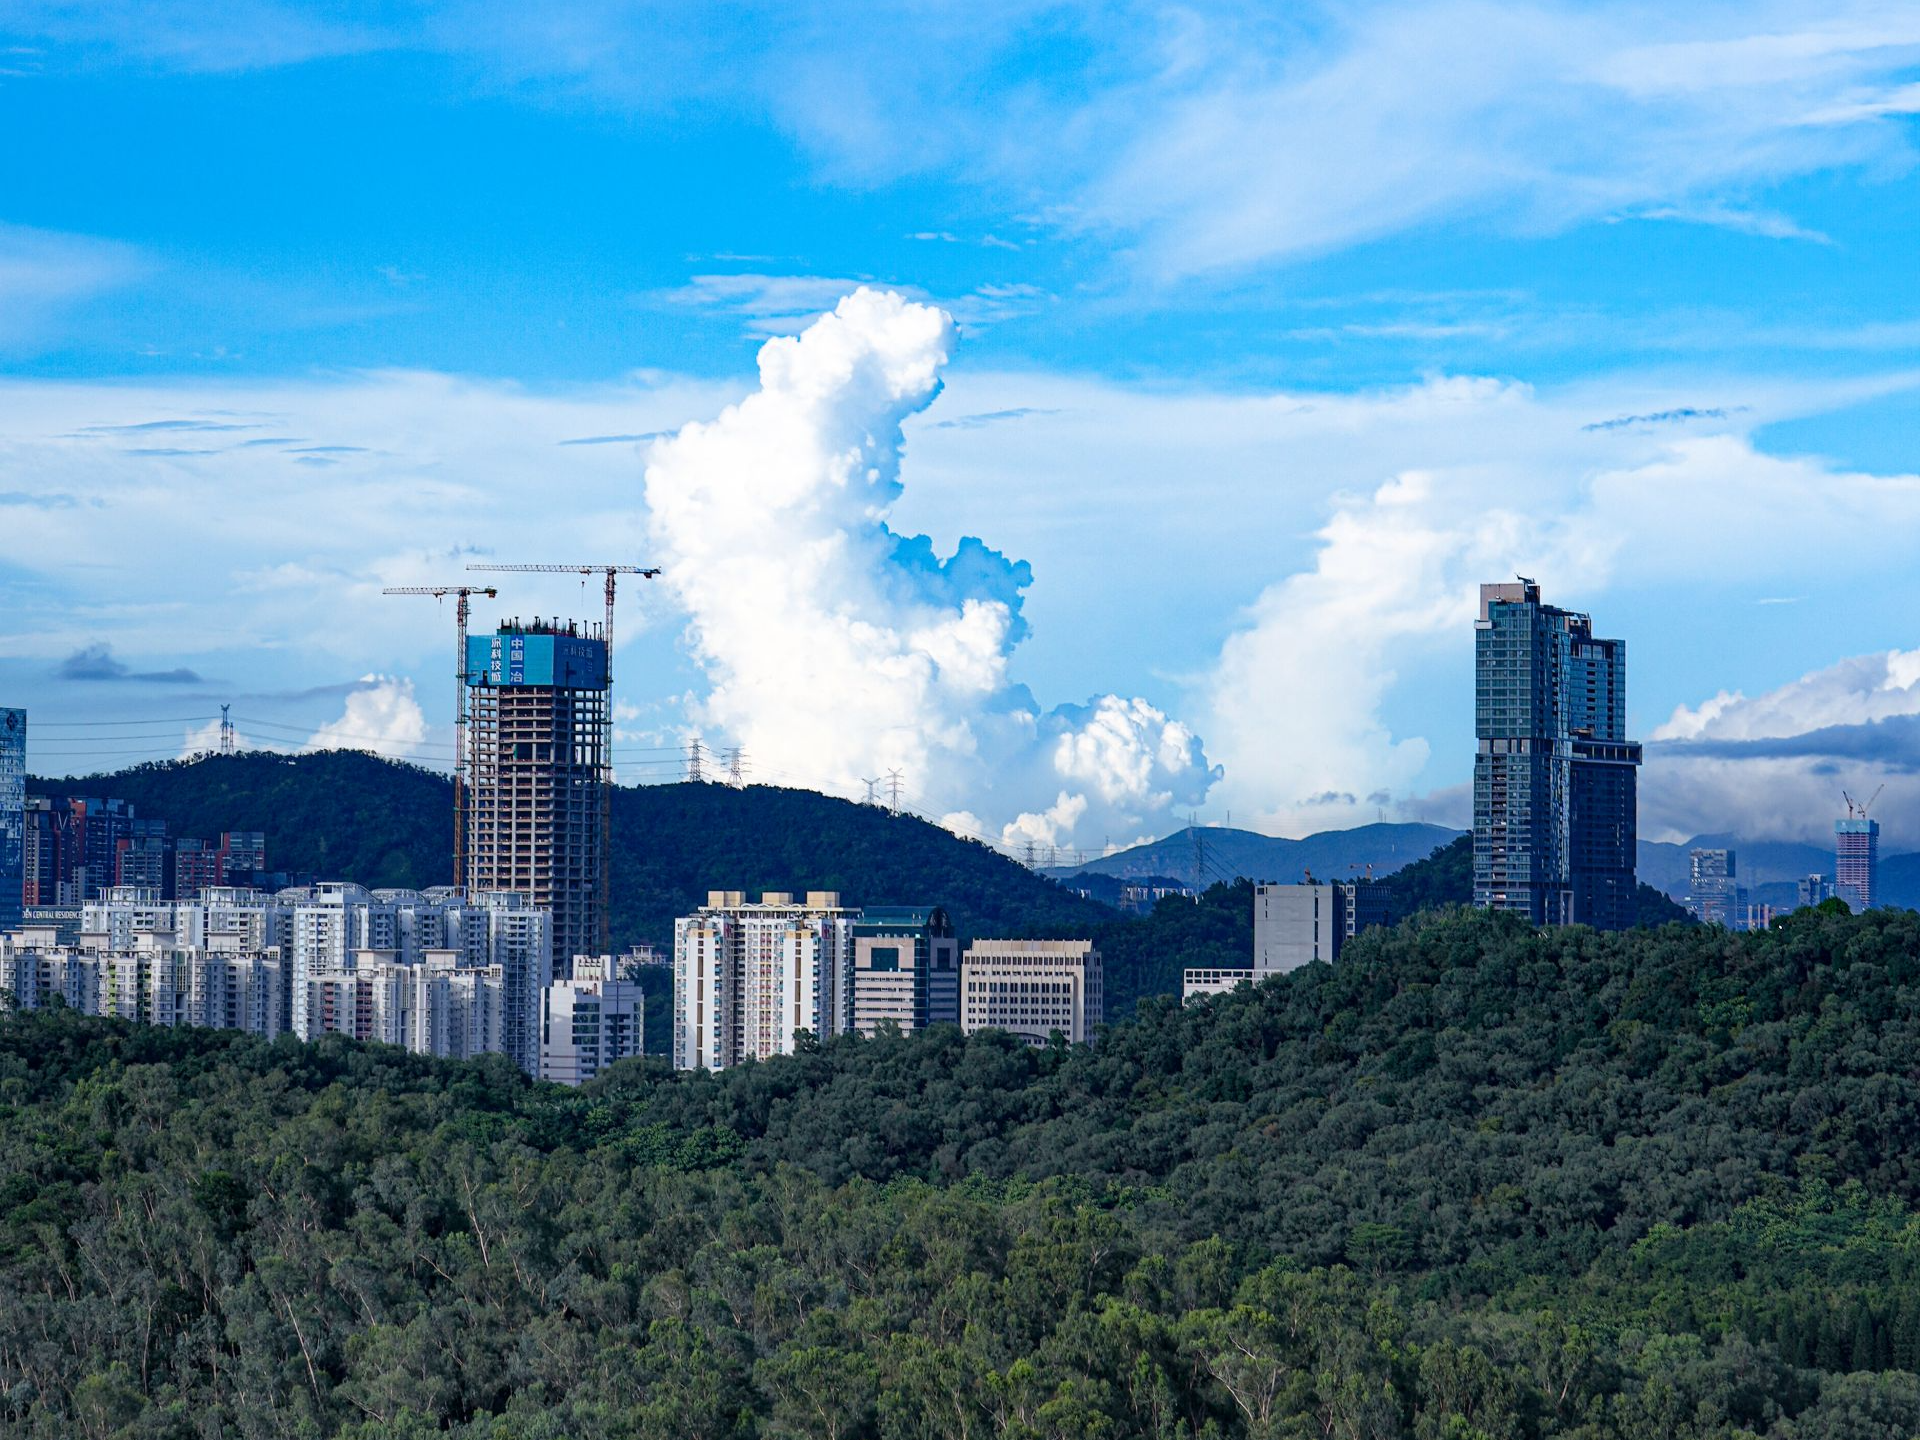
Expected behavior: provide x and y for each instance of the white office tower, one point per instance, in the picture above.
(748, 978)
(457, 1009)
(592, 1021)
(1033, 988)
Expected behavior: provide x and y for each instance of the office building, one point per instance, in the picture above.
(1856, 861)
(906, 969)
(13, 815)
(1295, 925)
(538, 765)
(1555, 823)
(1033, 988)
(592, 1021)
(748, 979)
(1713, 890)
(1812, 890)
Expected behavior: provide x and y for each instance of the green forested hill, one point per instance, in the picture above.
(1475, 1181)
(350, 816)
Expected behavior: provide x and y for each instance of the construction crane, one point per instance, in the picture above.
(611, 574)
(1859, 812)
(462, 595)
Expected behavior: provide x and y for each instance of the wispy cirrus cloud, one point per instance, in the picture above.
(42, 272)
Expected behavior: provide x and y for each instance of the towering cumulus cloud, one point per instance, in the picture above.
(837, 649)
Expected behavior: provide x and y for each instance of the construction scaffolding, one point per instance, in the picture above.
(541, 726)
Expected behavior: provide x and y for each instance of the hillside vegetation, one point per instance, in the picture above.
(350, 816)
(1474, 1181)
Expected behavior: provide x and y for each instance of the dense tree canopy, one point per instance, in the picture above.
(1475, 1180)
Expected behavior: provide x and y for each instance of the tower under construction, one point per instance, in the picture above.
(541, 727)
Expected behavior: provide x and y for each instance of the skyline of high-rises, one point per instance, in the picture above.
(1555, 812)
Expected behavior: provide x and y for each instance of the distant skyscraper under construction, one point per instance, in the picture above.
(538, 764)
(1554, 780)
(1856, 860)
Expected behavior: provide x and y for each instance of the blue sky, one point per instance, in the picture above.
(1272, 337)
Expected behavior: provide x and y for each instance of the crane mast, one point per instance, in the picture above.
(462, 595)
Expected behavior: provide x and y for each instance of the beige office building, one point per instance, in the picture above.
(1032, 988)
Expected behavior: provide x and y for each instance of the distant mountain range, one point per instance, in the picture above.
(1226, 854)
(1770, 868)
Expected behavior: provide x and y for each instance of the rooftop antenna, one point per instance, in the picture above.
(461, 596)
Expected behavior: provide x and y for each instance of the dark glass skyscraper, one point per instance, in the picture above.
(1555, 778)
(13, 814)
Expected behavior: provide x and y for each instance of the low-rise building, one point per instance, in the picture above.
(1033, 988)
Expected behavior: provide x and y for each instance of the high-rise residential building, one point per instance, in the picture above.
(537, 775)
(1856, 861)
(437, 972)
(592, 1021)
(238, 859)
(40, 858)
(906, 969)
(144, 857)
(1555, 822)
(91, 855)
(457, 1010)
(1713, 889)
(749, 978)
(1033, 988)
(13, 815)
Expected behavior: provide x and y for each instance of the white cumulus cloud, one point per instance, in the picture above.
(382, 718)
(837, 649)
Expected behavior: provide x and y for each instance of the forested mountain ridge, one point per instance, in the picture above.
(346, 815)
(1475, 1180)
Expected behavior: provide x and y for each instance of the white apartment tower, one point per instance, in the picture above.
(748, 978)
